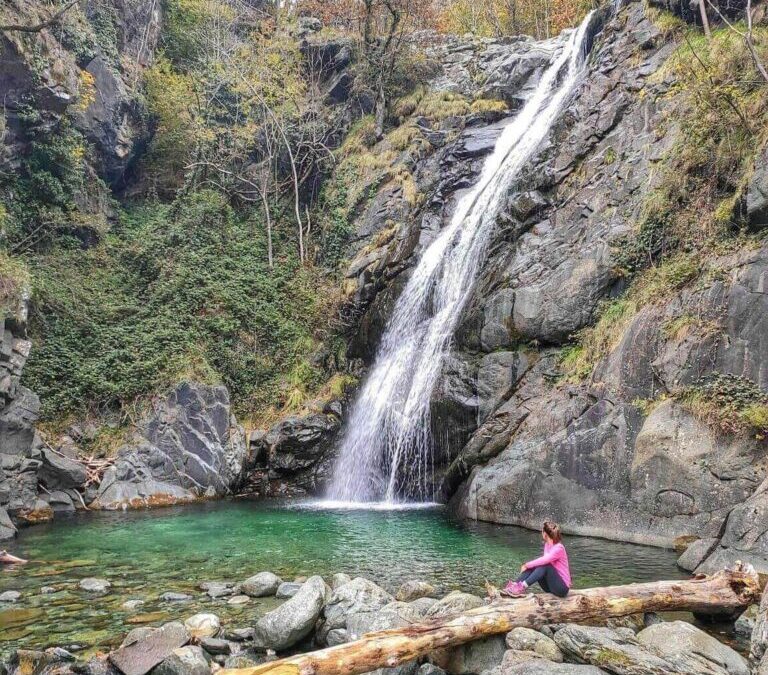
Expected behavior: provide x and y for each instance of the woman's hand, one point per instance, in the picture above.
(523, 567)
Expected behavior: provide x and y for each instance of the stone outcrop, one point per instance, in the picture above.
(190, 447)
(22, 454)
(83, 71)
(297, 453)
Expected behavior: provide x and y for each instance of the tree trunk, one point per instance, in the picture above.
(705, 18)
(390, 648)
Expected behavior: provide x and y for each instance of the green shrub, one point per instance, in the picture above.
(175, 292)
(730, 403)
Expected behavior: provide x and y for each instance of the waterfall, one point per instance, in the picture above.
(387, 452)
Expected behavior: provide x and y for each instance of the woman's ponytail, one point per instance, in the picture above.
(552, 530)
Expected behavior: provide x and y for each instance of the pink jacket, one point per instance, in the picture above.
(555, 555)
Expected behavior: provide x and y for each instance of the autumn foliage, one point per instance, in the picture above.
(486, 18)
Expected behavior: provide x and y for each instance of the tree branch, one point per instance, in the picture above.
(20, 28)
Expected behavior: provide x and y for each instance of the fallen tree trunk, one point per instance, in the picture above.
(726, 590)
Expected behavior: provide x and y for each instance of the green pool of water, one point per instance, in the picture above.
(146, 553)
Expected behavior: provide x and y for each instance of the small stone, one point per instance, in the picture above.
(244, 660)
(130, 605)
(300, 580)
(60, 654)
(651, 618)
(239, 600)
(261, 585)
(413, 590)
(170, 596)
(240, 634)
(746, 622)
(203, 625)
(94, 585)
(215, 645)
(217, 589)
(430, 669)
(10, 596)
(287, 589)
(47, 590)
(339, 580)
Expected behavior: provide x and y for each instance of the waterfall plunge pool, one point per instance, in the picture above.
(147, 553)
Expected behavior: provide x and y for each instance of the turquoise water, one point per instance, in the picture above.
(146, 553)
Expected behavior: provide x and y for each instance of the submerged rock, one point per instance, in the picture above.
(94, 585)
(239, 600)
(171, 596)
(293, 620)
(217, 589)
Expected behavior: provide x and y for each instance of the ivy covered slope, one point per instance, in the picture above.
(632, 301)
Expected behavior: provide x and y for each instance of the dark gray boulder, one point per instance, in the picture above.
(59, 472)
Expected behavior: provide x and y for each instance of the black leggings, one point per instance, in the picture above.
(548, 579)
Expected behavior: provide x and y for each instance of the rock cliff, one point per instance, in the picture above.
(620, 450)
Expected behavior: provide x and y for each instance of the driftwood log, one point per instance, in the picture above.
(726, 590)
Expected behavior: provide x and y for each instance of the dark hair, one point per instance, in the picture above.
(552, 529)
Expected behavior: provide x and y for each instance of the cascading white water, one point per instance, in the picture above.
(387, 452)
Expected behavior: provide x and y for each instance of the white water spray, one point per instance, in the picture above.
(387, 450)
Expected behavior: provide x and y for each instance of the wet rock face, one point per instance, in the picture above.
(189, 448)
(298, 451)
(588, 454)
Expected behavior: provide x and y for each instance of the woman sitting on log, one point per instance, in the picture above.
(550, 571)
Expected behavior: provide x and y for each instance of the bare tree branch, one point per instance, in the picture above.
(20, 28)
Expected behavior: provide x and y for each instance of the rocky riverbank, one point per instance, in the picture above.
(311, 613)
